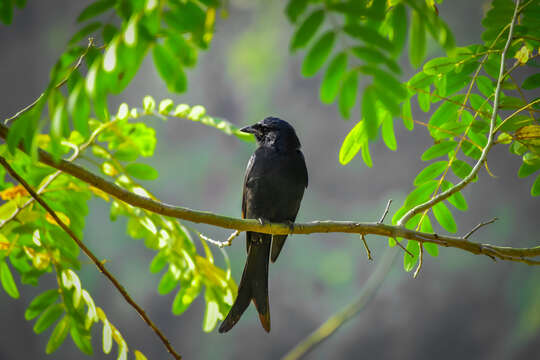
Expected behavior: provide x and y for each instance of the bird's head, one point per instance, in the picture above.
(273, 131)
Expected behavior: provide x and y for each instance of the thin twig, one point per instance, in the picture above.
(403, 248)
(94, 259)
(420, 261)
(367, 247)
(385, 211)
(220, 244)
(478, 227)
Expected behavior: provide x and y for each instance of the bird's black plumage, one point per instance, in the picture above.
(274, 184)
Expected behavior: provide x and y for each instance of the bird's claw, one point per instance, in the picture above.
(290, 224)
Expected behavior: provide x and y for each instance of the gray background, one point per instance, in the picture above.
(461, 306)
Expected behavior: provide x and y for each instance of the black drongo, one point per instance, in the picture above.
(275, 180)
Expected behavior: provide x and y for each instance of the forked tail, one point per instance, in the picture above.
(254, 283)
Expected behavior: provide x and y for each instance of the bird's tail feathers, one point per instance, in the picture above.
(254, 283)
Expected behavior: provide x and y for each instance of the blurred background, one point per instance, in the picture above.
(460, 306)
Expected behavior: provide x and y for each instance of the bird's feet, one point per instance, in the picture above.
(290, 224)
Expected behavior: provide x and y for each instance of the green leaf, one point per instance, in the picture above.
(430, 172)
(141, 171)
(7, 280)
(187, 16)
(158, 263)
(424, 99)
(528, 169)
(40, 303)
(369, 36)
(373, 56)
(440, 84)
(389, 102)
(184, 50)
(421, 194)
(20, 3)
(535, 189)
(406, 115)
(408, 260)
(417, 40)
(332, 78)
(79, 107)
(532, 82)
(49, 316)
(369, 112)
(186, 296)
(167, 283)
(457, 199)
(461, 169)
(388, 133)
(169, 68)
(353, 142)
(305, 32)
(366, 156)
(426, 227)
(318, 54)
(165, 106)
(440, 65)
(399, 28)
(485, 85)
(23, 130)
(6, 11)
(95, 8)
(387, 82)
(211, 314)
(437, 150)
(444, 217)
(107, 336)
(420, 81)
(139, 355)
(347, 96)
(149, 104)
(58, 335)
(446, 112)
(81, 340)
(295, 8)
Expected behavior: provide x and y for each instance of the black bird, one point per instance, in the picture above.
(275, 180)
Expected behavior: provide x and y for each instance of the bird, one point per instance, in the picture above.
(274, 184)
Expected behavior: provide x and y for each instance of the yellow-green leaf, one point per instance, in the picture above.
(7, 280)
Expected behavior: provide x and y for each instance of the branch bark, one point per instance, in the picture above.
(196, 216)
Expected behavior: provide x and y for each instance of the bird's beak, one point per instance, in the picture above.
(252, 129)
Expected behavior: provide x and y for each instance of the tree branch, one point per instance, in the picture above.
(92, 257)
(196, 216)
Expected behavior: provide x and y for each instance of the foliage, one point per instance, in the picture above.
(359, 42)
(35, 245)
(372, 35)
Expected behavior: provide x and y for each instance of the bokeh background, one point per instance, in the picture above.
(461, 305)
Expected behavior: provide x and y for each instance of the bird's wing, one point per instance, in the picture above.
(244, 195)
(244, 186)
(303, 168)
(301, 175)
